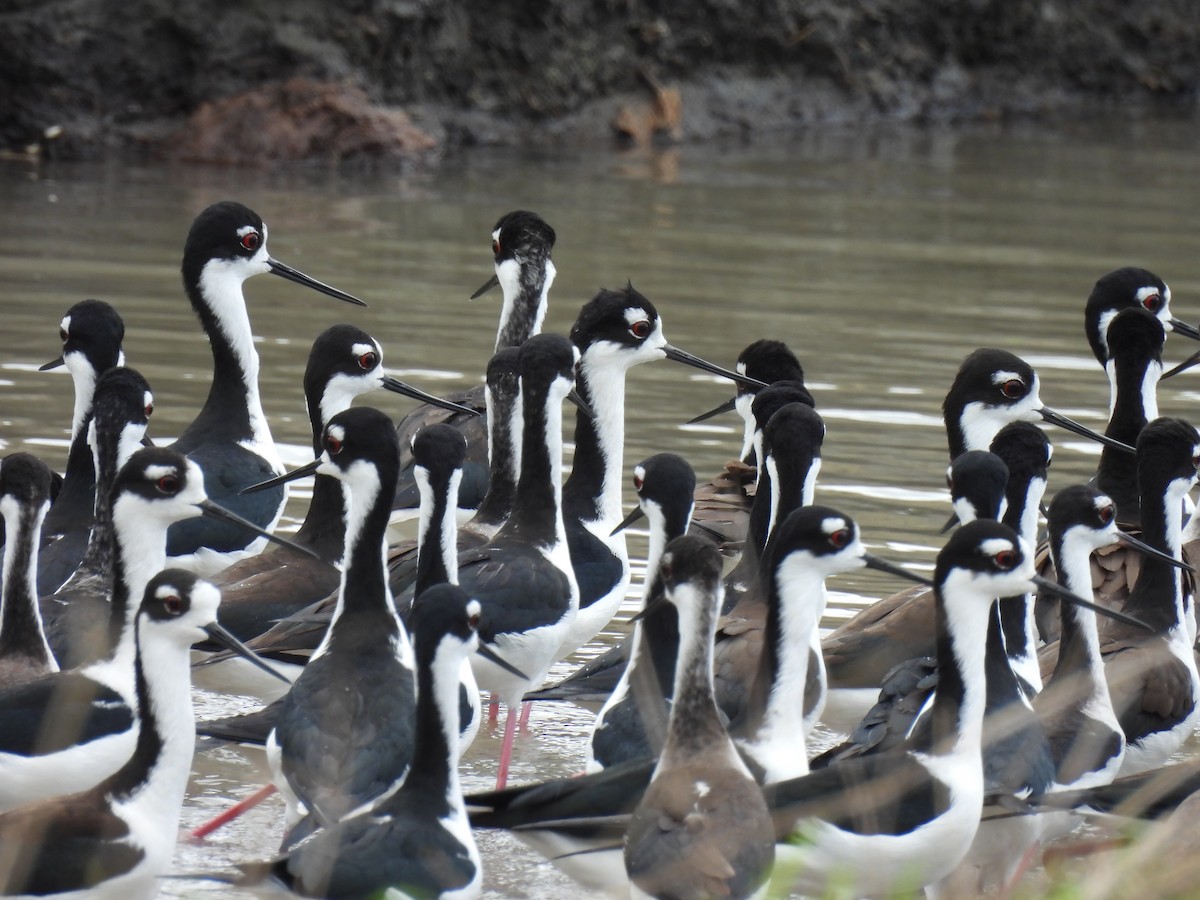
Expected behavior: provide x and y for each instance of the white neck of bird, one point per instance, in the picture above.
(605, 380)
(84, 378)
(221, 288)
(1076, 576)
(967, 612)
(166, 664)
(447, 533)
(18, 582)
(781, 736)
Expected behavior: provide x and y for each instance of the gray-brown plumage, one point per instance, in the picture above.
(702, 828)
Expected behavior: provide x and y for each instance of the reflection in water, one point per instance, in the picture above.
(882, 258)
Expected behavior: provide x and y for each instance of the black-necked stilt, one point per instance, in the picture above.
(439, 451)
(91, 333)
(802, 452)
(230, 438)
(418, 841)
(791, 455)
(665, 484)
(24, 500)
(811, 544)
(300, 633)
(615, 331)
(724, 502)
(116, 839)
(523, 576)
(992, 388)
(1075, 707)
(977, 481)
(913, 812)
(68, 730)
(1153, 680)
(1127, 288)
(701, 828)
(344, 362)
(77, 614)
(344, 732)
(521, 245)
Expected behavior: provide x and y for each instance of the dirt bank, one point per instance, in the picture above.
(425, 76)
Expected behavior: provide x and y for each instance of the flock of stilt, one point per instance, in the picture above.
(1002, 703)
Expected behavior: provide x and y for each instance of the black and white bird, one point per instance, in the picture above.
(231, 437)
(68, 730)
(701, 828)
(116, 839)
(76, 615)
(1128, 288)
(24, 500)
(417, 842)
(522, 242)
(344, 363)
(343, 736)
(91, 334)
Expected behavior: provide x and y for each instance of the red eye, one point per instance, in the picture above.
(495, 247)
(1107, 514)
(62, 335)
(473, 621)
(173, 604)
(641, 329)
(840, 538)
(1013, 389)
(333, 445)
(638, 482)
(149, 410)
(368, 361)
(1152, 302)
(251, 240)
(1005, 560)
(169, 484)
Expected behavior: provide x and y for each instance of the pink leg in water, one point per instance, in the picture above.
(494, 708)
(526, 708)
(510, 732)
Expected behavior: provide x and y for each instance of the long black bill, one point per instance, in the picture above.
(875, 562)
(634, 514)
(491, 656)
(950, 523)
(689, 360)
(1053, 587)
(228, 641)
(578, 400)
(728, 406)
(1142, 547)
(1181, 327)
(285, 271)
(53, 364)
(492, 282)
(399, 387)
(294, 475)
(1182, 367)
(220, 513)
(1057, 418)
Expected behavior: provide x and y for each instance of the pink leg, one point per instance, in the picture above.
(510, 732)
(494, 708)
(526, 708)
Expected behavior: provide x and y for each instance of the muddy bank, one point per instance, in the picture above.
(405, 78)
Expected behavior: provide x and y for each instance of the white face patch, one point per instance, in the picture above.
(1163, 312)
(148, 401)
(1003, 376)
(65, 324)
(473, 608)
(496, 236)
(361, 350)
(337, 432)
(831, 524)
(153, 473)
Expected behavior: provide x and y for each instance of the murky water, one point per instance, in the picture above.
(882, 258)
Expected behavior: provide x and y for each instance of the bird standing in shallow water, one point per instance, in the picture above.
(230, 438)
(24, 499)
(701, 828)
(114, 841)
(91, 333)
